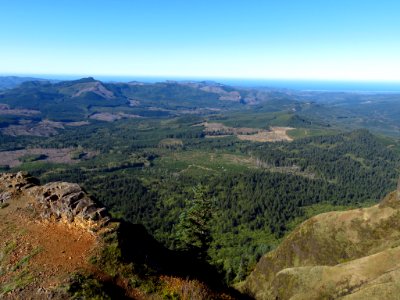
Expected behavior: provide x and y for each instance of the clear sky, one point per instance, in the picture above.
(306, 39)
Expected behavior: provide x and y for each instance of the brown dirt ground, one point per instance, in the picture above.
(44, 128)
(248, 134)
(111, 117)
(42, 255)
(6, 110)
(63, 155)
(274, 135)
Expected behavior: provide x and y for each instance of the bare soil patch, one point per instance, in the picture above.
(76, 124)
(274, 135)
(6, 110)
(44, 128)
(64, 155)
(36, 256)
(111, 117)
(221, 129)
(94, 87)
(247, 134)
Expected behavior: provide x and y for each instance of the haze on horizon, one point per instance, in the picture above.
(324, 40)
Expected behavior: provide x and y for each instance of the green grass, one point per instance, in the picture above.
(38, 165)
(22, 277)
(201, 162)
(10, 247)
(4, 205)
(25, 260)
(21, 280)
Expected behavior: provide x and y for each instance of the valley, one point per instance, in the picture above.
(263, 160)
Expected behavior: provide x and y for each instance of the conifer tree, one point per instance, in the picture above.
(193, 229)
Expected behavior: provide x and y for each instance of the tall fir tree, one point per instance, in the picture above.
(193, 228)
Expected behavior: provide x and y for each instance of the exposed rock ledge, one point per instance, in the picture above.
(61, 201)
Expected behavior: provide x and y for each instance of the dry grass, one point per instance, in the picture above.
(335, 255)
(111, 117)
(375, 271)
(6, 110)
(43, 128)
(187, 289)
(247, 134)
(274, 135)
(94, 87)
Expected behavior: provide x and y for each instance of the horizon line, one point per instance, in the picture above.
(202, 78)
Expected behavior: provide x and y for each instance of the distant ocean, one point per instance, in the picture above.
(302, 85)
(323, 86)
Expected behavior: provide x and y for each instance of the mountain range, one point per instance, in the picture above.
(196, 190)
(88, 98)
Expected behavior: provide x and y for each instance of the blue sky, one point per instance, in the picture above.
(337, 40)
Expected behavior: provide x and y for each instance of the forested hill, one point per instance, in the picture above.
(9, 82)
(252, 207)
(88, 99)
(77, 99)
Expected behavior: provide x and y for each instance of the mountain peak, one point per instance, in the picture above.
(86, 79)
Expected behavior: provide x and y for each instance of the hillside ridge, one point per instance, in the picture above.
(335, 255)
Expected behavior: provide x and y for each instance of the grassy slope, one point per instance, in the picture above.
(334, 254)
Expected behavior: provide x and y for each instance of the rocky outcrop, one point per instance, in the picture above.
(5, 197)
(13, 183)
(67, 201)
(60, 201)
(16, 182)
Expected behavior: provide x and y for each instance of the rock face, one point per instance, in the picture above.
(61, 201)
(353, 254)
(16, 182)
(67, 201)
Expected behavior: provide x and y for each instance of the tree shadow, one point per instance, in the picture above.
(140, 248)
